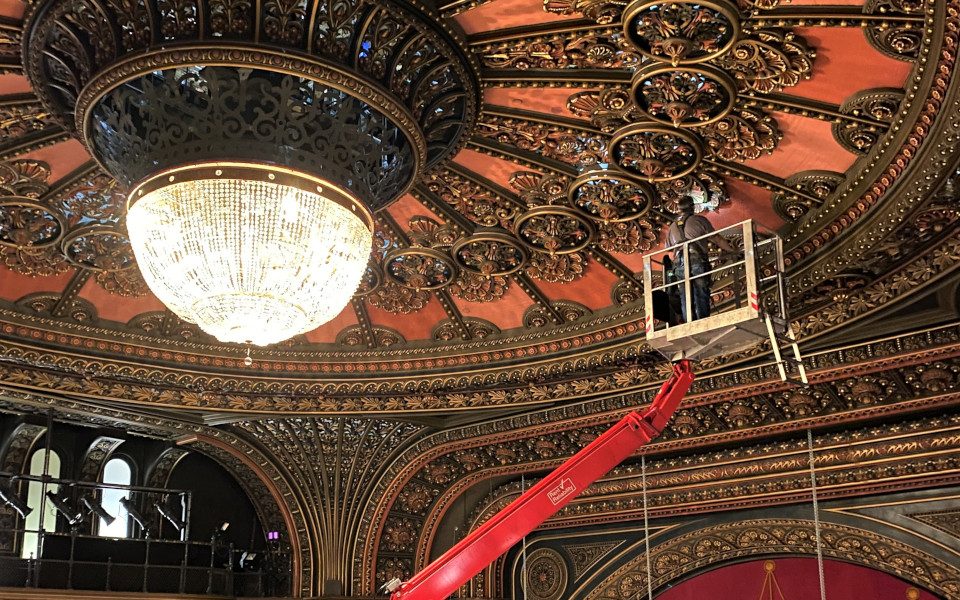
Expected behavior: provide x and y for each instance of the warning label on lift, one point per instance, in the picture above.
(563, 490)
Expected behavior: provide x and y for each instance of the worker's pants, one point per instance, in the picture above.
(699, 288)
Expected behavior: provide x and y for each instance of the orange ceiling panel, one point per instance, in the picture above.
(551, 101)
(807, 144)
(327, 333)
(505, 313)
(12, 83)
(12, 9)
(846, 64)
(63, 158)
(495, 169)
(747, 201)
(407, 207)
(418, 326)
(108, 306)
(592, 290)
(502, 14)
(14, 286)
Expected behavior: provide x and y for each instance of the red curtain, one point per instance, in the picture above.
(797, 579)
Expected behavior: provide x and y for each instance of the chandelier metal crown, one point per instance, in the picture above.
(256, 149)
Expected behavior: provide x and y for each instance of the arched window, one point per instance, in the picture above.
(39, 504)
(116, 471)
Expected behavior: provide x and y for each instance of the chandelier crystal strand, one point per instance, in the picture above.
(249, 259)
(816, 515)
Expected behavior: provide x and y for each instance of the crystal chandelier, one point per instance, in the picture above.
(248, 252)
(255, 147)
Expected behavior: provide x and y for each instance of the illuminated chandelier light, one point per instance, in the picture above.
(249, 252)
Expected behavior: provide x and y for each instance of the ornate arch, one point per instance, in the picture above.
(708, 547)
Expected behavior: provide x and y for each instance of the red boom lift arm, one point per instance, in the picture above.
(444, 576)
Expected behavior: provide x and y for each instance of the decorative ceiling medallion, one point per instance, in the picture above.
(25, 223)
(609, 197)
(420, 269)
(98, 248)
(683, 96)
(371, 280)
(683, 31)
(655, 152)
(554, 229)
(489, 253)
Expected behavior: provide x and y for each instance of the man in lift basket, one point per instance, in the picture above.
(689, 226)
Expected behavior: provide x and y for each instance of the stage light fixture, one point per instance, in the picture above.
(72, 517)
(96, 508)
(12, 499)
(134, 514)
(167, 513)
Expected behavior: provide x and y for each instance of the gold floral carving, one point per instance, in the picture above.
(474, 287)
(742, 135)
(591, 50)
(478, 203)
(557, 268)
(769, 60)
(398, 299)
(549, 141)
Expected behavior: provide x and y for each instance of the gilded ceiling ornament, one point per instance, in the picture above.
(557, 268)
(383, 337)
(769, 60)
(707, 190)
(25, 223)
(17, 119)
(10, 42)
(427, 233)
(879, 105)
(682, 31)
(395, 298)
(42, 262)
(126, 282)
(78, 310)
(537, 189)
(166, 325)
(420, 268)
(627, 237)
(625, 293)
(655, 152)
(98, 248)
(573, 148)
(755, 5)
(545, 575)
(554, 230)
(24, 177)
(489, 253)
(592, 50)
(231, 18)
(742, 135)
(683, 96)
(816, 184)
(603, 12)
(473, 287)
(447, 331)
(93, 200)
(537, 317)
(608, 109)
(608, 196)
(372, 278)
(899, 40)
(476, 202)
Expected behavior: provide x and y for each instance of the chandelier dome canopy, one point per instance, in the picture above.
(256, 152)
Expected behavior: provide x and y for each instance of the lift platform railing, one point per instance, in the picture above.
(754, 272)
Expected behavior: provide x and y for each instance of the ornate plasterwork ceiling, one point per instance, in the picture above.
(512, 266)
